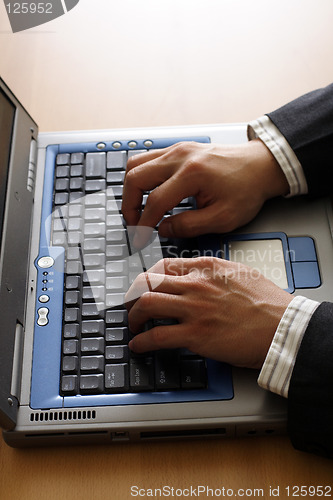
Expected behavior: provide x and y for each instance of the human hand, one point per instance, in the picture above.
(225, 310)
(230, 184)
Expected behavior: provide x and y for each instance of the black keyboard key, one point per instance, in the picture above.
(76, 183)
(62, 171)
(117, 267)
(59, 239)
(73, 253)
(94, 277)
(76, 197)
(116, 236)
(62, 159)
(94, 245)
(116, 317)
(116, 335)
(77, 158)
(95, 200)
(94, 260)
(62, 184)
(115, 177)
(69, 385)
(193, 374)
(93, 310)
(72, 282)
(94, 229)
(117, 190)
(95, 293)
(71, 314)
(117, 353)
(93, 364)
(75, 210)
(167, 370)
(71, 331)
(93, 327)
(72, 298)
(142, 375)
(70, 364)
(76, 171)
(73, 266)
(116, 251)
(116, 284)
(70, 347)
(61, 198)
(95, 185)
(116, 377)
(116, 160)
(96, 214)
(92, 345)
(92, 384)
(96, 165)
(114, 299)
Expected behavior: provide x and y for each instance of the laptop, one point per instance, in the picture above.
(67, 375)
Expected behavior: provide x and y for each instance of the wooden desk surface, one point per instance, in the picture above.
(112, 64)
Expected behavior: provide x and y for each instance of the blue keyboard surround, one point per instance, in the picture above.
(50, 281)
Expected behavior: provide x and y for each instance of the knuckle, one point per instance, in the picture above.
(193, 166)
(131, 175)
(152, 199)
(145, 300)
(183, 147)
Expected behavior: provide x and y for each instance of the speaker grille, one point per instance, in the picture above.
(62, 416)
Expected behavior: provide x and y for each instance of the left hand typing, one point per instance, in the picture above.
(225, 310)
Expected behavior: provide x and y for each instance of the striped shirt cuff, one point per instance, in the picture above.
(264, 129)
(277, 369)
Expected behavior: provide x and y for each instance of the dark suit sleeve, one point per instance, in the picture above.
(310, 398)
(307, 125)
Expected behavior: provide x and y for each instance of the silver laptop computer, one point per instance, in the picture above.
(66, 373)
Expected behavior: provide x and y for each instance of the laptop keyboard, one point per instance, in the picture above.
(99, 268)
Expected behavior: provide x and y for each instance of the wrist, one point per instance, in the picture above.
(271, 179)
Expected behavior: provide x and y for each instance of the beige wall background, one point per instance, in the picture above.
(112, 63)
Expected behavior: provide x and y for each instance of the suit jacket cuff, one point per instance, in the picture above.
(264, 129)
(277, 369)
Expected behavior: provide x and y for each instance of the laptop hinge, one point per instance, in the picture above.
(32, 166)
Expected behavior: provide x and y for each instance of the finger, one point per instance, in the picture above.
(190, 223)
(162, 199)
(159, 337)
(144, 177)
(138, 159)
(171, 266)
(150, 281)
(153, 305)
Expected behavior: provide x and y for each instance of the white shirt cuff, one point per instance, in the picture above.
(278, 366)
(264, 129)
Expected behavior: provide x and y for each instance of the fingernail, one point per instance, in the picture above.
(142, 236)
(131, 345)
